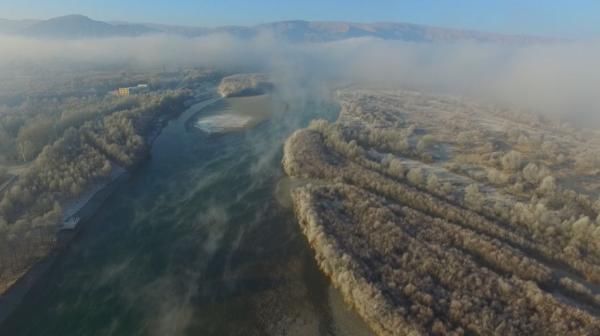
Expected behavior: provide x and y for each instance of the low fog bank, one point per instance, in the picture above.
(559, 79)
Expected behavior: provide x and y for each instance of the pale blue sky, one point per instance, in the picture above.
(550, 17)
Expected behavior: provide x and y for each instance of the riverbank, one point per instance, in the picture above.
(420, 250)
(82, 209)
(193, 243)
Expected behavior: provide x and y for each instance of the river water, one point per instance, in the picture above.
(194, 243)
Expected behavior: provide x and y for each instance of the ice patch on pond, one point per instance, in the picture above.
(223, 123)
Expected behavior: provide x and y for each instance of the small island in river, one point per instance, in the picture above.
(247, 100)
(241, 85)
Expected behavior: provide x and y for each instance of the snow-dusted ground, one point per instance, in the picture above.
(223, 123)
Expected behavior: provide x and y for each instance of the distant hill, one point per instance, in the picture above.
(332, 31)
(79, 26)
(315, 31)
(13, 26)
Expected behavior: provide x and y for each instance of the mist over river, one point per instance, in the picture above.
(194, 243)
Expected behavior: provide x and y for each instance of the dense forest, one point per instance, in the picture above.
(52, 150)
(433, 225)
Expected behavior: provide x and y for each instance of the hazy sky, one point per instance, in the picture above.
(574, 18)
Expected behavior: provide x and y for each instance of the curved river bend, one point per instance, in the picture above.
(194, 243)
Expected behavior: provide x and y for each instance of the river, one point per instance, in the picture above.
(194, 243)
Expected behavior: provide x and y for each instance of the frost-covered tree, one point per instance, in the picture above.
(425, 143)
(433, 183)
(396, 168)
(534, 173)
(416, 176)
(512, 161)
(447, 188)
(548, 185)
(497, 177)
(473, 197)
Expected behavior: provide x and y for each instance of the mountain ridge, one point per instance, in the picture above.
(77, 26)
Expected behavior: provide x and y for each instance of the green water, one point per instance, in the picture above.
(194, 243)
